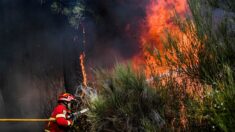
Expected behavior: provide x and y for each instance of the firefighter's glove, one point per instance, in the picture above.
(74, 117)
(70, 124)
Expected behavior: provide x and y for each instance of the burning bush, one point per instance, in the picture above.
(200, 63)
(196, 92)
(189, 61)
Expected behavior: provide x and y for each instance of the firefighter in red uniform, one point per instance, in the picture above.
(60, 114)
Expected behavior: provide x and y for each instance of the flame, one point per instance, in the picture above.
(160, 15)
(159, 19)
(82, 56)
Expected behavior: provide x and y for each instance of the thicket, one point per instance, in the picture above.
(198, 92)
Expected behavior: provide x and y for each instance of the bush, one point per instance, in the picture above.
(125, 103)
(197, 93)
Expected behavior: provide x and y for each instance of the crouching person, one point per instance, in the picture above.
(61, 113)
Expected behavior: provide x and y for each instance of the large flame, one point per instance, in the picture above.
(160, 16)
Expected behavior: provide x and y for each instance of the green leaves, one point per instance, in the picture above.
(75, 11)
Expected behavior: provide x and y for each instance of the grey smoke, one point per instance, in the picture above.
(31, 53)
(35, 43)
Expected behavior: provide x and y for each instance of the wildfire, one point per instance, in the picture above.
(159, 18)
(82, 56)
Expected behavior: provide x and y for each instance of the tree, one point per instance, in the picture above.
(74, 11)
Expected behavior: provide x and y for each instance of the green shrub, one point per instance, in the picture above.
(125, 102)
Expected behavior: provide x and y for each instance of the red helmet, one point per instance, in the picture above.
(66, 97)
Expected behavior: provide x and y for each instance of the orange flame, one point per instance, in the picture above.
(160, 15)
(159, 19)
(82, 56)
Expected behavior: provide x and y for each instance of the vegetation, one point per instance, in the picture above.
(74, 10)
(126, 103)
(197, 94)
(216, 66)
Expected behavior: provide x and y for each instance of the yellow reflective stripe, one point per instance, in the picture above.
(51, 118)
(60, 115)
(48, 124)
(46, 130)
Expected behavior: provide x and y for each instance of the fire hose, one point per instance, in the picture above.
(25, 120)
(38, 119)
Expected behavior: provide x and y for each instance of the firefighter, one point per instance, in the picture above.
(61, 113)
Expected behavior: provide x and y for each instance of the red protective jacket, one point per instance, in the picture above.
(60, 113)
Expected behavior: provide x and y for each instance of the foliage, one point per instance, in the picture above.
(218, 45)
(74, 10)
(196, 94)
(216, 65)
(209, 60)
(228, 5)
(125, 102)
(201, 69)
(216, 111)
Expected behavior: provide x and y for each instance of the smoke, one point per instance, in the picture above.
(21, 100)
(35, 44)
(113, 30)
(31, 53)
